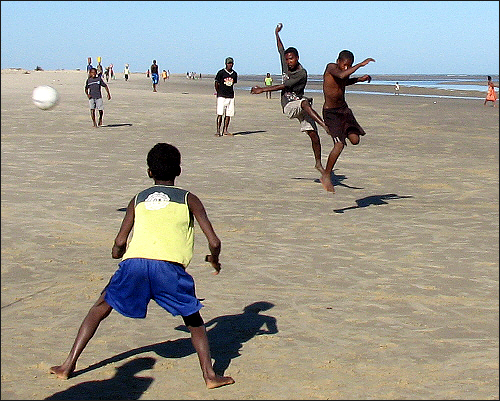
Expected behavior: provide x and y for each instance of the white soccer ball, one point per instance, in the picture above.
(45, 97)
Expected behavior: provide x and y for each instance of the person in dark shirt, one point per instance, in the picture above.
(93, 91)
(293, 101)
(154, 75)
(224, 88)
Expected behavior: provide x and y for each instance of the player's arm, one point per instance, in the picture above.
(87, 90)
(279, 43)
(355, 67)
(271, 88)
(364, 78)
(107, 90)
(120, 244)
(214, 243)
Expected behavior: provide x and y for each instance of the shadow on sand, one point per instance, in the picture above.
(372, 200)
(124, 385)
(226, 335)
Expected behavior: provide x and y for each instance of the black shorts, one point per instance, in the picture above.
(340, 121)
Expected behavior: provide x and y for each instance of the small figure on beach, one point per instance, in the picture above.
(224, 89)
(268, 81)
(293, 101)
(154, 263)
(336, 113)
(164, 75)
(93, 86)
(491, 96)
(396, 88)
(154, 75)
(89, 64)
(126, 72)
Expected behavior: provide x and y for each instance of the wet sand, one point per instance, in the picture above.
(387, 289)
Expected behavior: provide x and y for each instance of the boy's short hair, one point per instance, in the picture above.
(164, 161)
(292, 50)
(346, 55)
(93, 69)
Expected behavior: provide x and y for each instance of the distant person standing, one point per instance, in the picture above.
(491, 96)
(100, 70)
(224, 88)
(89, 65)
(164, 75)
(126, 72)
(93, 91)
(396, 89)
(168, 74)
(111, 72)
(268, 81)
(154, 75)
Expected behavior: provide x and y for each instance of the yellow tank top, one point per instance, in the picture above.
(163, 226)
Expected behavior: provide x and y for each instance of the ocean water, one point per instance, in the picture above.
(470, 84)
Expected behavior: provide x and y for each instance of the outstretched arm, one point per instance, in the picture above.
(271, 88)
(364, 78)
(333, 69)
(214, 243)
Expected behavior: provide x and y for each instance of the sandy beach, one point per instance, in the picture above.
(387, 289)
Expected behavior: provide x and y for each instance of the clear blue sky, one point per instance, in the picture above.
(404, 37)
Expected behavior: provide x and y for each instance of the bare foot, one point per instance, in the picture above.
(327, 182)
(219, 381)
(218, 134)
(227, 134)
(61, 372)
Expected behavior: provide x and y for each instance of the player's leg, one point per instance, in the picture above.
(199, 339)
(229, 112)
(99, 311)
(326, 177)
(316, 147)
(316, 117)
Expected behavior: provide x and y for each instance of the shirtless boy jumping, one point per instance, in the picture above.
(336, 114)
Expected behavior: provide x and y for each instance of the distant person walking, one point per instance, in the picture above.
(93, 91)
(99, 69)
(268, 81)
(396, 88)
(293, 101)
(224, 88)
(337, 115)
(154, 75)
(126, 72)
(89, 64)
(491, 96)
(164, 75)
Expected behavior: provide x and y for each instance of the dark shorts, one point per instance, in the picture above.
(154, 77)
(340, 121)
(138, 280)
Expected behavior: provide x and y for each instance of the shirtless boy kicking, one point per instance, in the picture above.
(293, 101)
(337, 115)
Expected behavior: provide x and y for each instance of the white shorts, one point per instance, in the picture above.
(294, 109)
(96, 103)
(227, 104)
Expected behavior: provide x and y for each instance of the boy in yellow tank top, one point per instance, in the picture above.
(153, 265)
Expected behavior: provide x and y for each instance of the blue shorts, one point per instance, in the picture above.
(154, 77)
(138, 280)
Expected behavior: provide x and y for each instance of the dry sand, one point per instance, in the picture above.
(387, 289)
